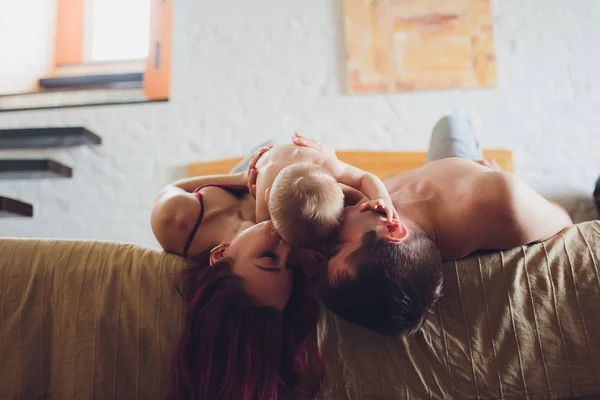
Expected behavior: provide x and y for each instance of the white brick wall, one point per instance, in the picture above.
(247, 70)
(26, 43)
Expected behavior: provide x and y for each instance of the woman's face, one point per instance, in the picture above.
(260, 256)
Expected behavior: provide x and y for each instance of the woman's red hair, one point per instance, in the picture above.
(233, 348)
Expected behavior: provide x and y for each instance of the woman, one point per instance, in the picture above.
(194, 215)
(250, 328)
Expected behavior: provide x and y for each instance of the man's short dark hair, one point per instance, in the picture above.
(396, 284)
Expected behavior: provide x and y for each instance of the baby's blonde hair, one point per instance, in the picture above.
(305, 203)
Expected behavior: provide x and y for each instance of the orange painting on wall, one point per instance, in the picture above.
(408, 45)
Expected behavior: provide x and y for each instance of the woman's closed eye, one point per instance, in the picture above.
(270, 259)
(270, 255)
(268, 269)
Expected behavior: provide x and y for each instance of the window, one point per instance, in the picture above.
(111, 30)
(107, 51)
(111, 35)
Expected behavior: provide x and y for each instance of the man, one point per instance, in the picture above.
(386, 276)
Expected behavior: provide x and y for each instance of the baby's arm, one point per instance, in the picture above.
(366, 182)
(351, 196)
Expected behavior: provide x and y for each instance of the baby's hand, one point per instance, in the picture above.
(491, 164)
(302, 141)
(379, 205)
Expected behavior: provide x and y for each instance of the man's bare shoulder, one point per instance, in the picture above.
(454, 163)
(452, 171)
(493, 191)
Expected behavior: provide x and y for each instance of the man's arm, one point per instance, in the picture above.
(534, 218)
(529, 216)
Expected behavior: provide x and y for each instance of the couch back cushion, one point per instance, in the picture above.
(85, 320)
(511, 324)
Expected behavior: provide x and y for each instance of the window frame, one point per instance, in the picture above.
(69, 50)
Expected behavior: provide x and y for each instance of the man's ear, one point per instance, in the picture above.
(267, 195)
(397, 230)
(217, 254)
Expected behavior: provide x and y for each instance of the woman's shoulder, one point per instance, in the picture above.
(173, 217)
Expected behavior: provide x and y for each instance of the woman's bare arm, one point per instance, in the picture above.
(176, 209)
(190, 184)
(173, 217)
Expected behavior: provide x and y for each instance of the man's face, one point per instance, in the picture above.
(355, 224)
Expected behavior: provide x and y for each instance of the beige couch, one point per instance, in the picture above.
(83, 320)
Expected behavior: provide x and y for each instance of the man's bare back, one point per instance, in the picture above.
(465, 207)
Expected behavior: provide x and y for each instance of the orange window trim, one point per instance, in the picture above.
(69, 33)
(157, 76)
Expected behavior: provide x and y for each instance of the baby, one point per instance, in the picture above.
(302, 191)
(305, 203)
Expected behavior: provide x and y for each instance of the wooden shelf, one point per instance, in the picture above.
(36, 138)
(14, 208)
(33, 169)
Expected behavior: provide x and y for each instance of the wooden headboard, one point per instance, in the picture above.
(380, 163)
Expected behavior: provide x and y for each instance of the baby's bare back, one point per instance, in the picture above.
(272, 162)
(288, 154)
